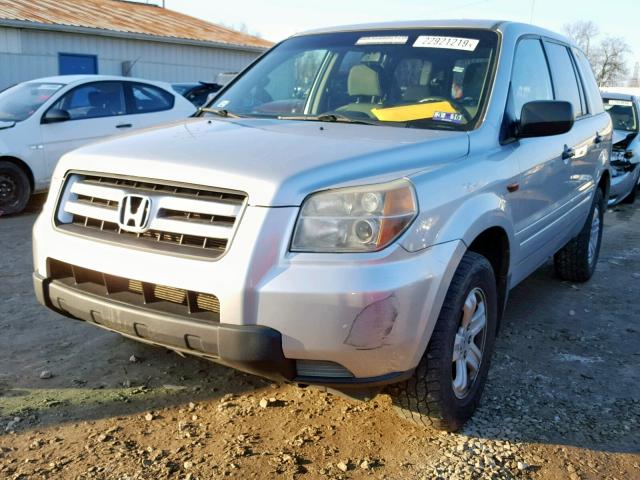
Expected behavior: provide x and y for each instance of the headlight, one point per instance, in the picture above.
(360, 219)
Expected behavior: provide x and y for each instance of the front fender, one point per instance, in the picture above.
(464, 221)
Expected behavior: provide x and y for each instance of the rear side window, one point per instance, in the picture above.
(147, 99)
(590, 83)
(567, 86)
(530, 80)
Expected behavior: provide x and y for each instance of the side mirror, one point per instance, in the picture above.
(56, 116)
(545, 118)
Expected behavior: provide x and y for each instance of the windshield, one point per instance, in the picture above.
(20, 102)
(434, 78)
(623, 114)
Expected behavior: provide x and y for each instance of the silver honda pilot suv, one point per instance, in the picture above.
(351, 211)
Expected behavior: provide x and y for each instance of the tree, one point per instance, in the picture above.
(607, 56)
(610, 64)
(242, 28)
(582, 32)
(635, 78)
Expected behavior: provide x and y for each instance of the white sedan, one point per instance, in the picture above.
(40, 120)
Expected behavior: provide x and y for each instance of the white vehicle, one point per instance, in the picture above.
(42, 119)
(622, 90)
(625, 156)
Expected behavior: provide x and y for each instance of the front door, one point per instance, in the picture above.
(95, 111)
(542, 186)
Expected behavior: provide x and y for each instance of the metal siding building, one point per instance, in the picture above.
(32, 49)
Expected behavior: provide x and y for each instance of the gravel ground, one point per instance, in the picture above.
(562, 399)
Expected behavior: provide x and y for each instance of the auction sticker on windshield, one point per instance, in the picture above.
(398, 40)
(448, 117)
(452, 43)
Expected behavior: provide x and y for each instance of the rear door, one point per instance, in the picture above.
(597, 123)
(585, 143)
(95, 110)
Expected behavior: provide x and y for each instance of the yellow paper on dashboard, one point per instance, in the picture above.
(406, 113)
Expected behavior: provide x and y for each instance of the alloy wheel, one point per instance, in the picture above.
(594, 235)
(469, 343)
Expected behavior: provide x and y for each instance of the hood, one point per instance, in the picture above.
(622, 138)
(277, 162)
(6, 124)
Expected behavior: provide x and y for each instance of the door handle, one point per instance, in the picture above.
(598, 138)
(124, 125)
(568, 153)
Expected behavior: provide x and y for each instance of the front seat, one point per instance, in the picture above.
(363, 84)
(98, 102)
(473, 81)
(415, 93)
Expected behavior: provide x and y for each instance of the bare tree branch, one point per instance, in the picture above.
(610, 63)
(635, 78)
(582, 32)
(607, 57)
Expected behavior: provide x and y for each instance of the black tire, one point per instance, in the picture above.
(428, 397)
(631, 198)
(15, 188)
(573, 262)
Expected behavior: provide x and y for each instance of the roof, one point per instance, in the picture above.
(484, 24)
(497, 25)
(122, 18)
(70, 79)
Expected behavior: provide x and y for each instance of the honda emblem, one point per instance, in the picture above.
(134, 213)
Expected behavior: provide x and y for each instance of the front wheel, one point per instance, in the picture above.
(15, 189)
(445, 389)
(577, 260)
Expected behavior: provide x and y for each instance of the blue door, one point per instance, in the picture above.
(72, 64)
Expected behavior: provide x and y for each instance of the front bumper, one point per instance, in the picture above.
(371, 314)
(250, 348)
(253, 349)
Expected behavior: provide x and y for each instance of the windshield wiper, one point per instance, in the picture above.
(327, 117)
(221, 112)
(431, 124)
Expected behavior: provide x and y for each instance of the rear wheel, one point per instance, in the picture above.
(15, 188)
(577, 260)
(446, 387)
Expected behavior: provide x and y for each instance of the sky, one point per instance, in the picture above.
(277, 19)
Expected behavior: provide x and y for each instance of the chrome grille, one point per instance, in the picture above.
(182, 219)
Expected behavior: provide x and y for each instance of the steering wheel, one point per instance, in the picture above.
(456, 104)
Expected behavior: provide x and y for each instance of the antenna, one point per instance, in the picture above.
(533, 7)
